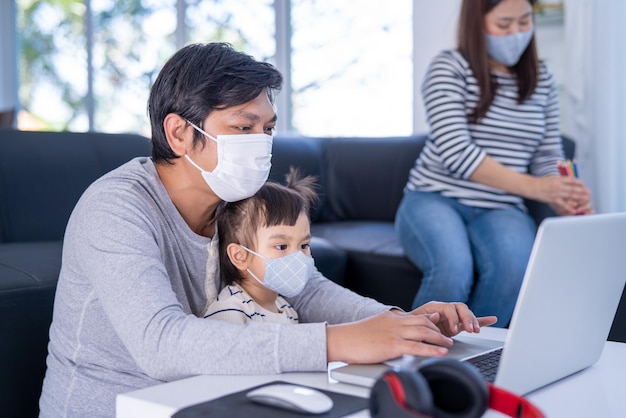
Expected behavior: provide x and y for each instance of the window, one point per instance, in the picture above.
(352, 68)
(131, 41)
(53, 70)
(247, 25)
(90, 64)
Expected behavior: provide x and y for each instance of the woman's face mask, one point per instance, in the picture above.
(243, 164)
(508, 49)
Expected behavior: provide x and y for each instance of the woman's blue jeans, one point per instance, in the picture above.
(452, 243)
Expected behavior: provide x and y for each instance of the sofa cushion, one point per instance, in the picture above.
(390, 280)
(368, 237)
(366, 176)
(376, 265)
(29, 264)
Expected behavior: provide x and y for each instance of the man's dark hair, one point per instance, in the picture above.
(200, 78)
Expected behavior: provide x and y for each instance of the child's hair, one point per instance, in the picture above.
(274, 204)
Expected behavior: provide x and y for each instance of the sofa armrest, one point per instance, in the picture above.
(28, 279)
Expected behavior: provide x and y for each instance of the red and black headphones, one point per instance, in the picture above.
(443, 388)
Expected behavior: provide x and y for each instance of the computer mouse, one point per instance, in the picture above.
(292, 397)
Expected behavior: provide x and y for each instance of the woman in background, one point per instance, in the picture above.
(492, 109)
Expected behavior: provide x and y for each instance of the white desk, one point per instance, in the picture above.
(599, 391)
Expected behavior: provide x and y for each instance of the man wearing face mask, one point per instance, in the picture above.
(492, 107)
(140, 258)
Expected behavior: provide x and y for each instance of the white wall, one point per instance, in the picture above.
(550, 36)
(434, 29)
(8, 54)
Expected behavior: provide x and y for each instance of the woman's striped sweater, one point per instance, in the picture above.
(524, 137)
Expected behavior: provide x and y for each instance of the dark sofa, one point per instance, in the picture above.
(42, 175)
(361, 182)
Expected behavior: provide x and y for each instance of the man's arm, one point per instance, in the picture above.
(123, 261)
(322, 300)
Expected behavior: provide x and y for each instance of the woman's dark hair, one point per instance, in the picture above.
(200, 78)
(472, 43)
(274, 204)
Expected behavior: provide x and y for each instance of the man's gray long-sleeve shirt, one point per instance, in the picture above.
(133, 281)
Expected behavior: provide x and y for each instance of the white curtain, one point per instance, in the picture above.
(596, 96)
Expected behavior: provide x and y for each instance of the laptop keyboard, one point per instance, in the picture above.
(487, 364)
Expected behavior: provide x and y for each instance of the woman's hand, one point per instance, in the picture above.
(454, 317)
(565, 195)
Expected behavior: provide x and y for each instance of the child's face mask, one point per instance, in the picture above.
(286, 275)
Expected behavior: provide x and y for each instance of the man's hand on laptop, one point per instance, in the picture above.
(425, 331)
(454, 317)
(387, 335)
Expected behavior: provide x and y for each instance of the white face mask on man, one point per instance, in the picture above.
(285, 275)
(243, 164)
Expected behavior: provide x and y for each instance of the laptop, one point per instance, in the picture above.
(570, 293)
